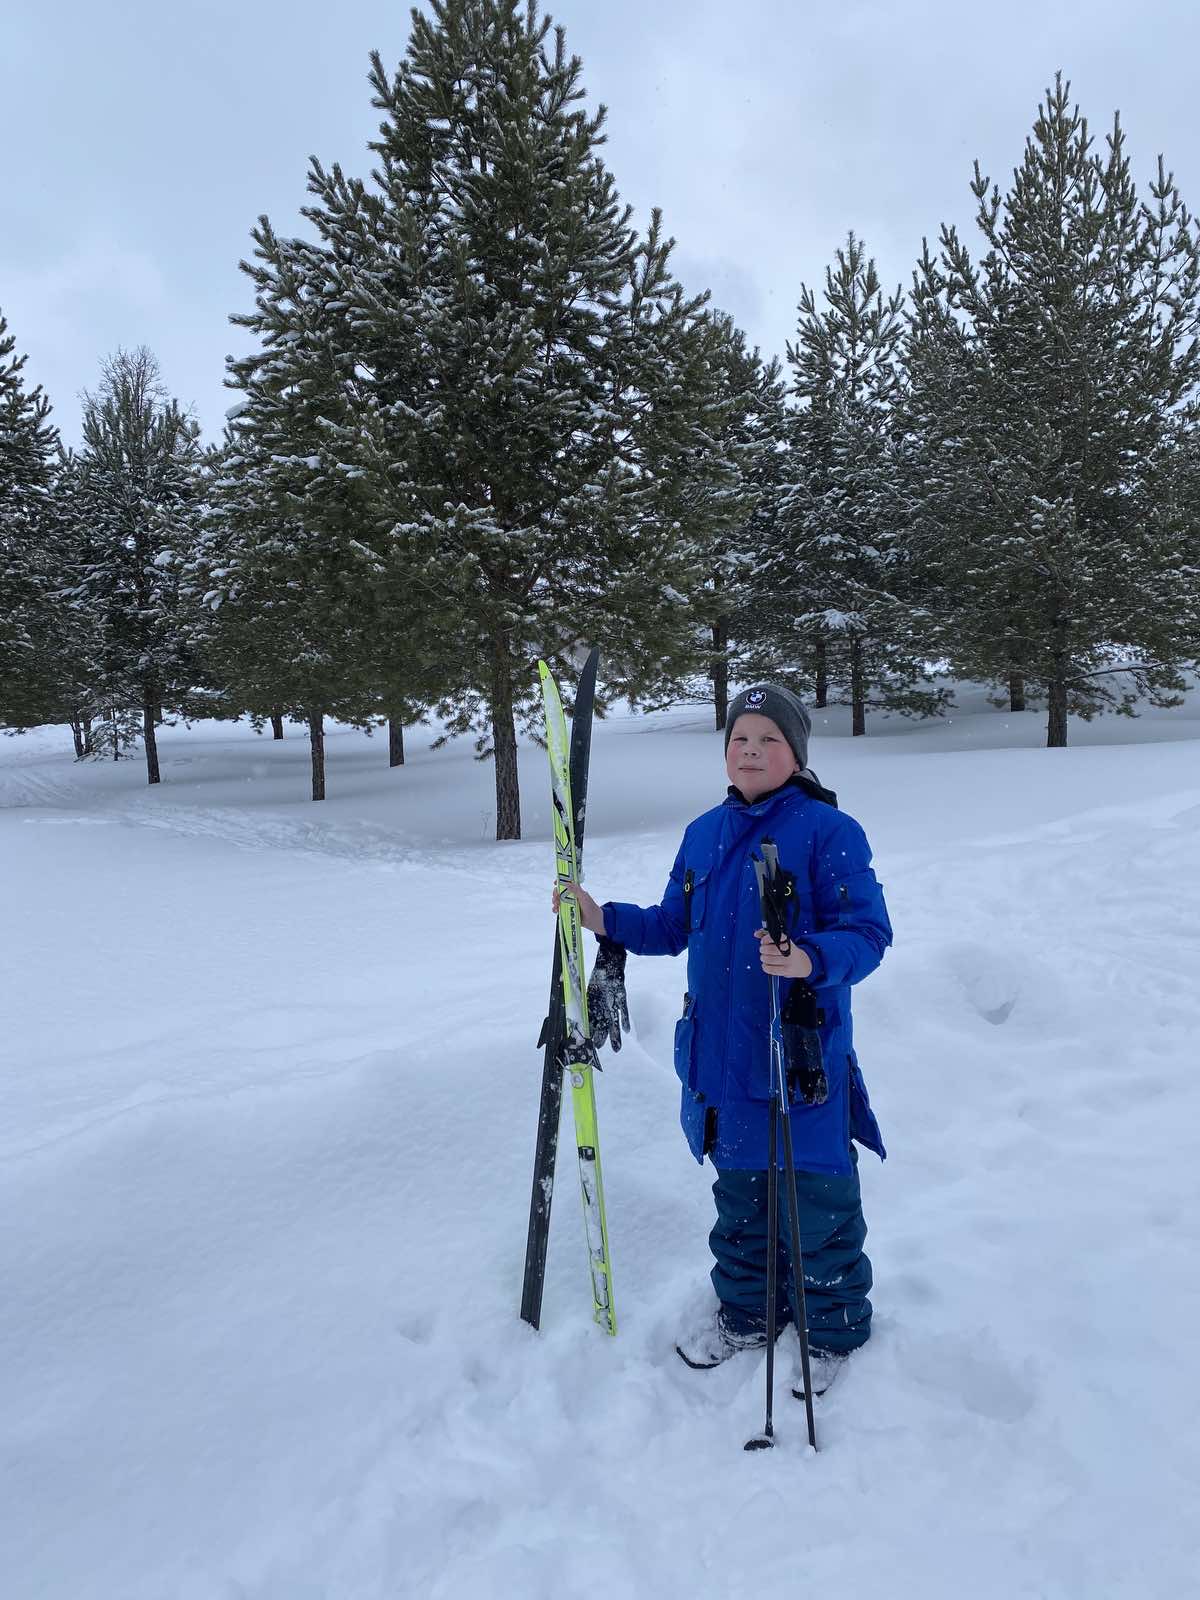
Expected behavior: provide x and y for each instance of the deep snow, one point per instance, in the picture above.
(267, 1105)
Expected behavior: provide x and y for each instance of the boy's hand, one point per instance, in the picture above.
(796, 964)
(590, 914)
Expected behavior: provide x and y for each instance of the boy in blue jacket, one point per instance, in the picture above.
(839, 931)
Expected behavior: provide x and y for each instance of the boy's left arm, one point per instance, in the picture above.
(659, 930)
(851, 917)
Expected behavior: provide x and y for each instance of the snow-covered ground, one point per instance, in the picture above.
(267, 1108)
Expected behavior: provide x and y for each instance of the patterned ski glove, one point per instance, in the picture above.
(608, 1008)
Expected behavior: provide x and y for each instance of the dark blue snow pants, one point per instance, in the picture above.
(837, 1274)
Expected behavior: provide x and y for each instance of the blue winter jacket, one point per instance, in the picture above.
(722, 1040)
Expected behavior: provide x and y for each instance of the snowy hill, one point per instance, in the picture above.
(267, 1109)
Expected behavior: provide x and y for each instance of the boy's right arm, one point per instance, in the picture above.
(651, 930)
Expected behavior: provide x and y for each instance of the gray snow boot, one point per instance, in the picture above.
(823, 1366)
(712, 1341)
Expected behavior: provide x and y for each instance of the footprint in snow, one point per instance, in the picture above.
(988, 978)
(416, 1330)
(972, 1371)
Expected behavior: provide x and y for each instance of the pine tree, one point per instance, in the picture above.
(840, 552)
(745, 623)
(1049, 384)
(28, 446)
(535, 385)
(134, 490)
(76, 686)
(295, 552)
(1178, 518)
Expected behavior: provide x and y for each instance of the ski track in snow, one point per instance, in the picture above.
(266, 1127)
(360, 846)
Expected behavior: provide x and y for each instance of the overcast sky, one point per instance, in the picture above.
(142, 139)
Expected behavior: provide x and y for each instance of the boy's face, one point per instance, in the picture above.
(759, 758)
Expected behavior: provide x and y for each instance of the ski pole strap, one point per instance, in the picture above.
(775, 890)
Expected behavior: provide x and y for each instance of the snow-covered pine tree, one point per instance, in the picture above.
(78, 648)
(314, 619)
(839, 552)
(686, 497)
(28, 447)
(1049, 385)
(134, 489)
(751, 440)
(1177, 514)
(539, 384)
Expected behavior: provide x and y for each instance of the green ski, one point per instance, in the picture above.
(579, 1054)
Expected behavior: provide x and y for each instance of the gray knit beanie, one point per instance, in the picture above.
(784, 709)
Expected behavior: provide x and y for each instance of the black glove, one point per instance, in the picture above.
(608, 1009)
(802, 1046)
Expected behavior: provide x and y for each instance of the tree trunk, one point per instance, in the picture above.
(277, 724)
(1056, 720)
(316, 734)
(116, 736)
(150, 741)
(77, 735)
(395, 742)
(720, 671)
(158, 713)
(858, 689)
(821, 698)
(87, 736)
(1016, 673)
(504, 744)
(1056, 717)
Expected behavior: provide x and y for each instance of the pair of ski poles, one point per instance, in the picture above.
(773, 891)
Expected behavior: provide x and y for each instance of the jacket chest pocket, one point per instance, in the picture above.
(695, 899)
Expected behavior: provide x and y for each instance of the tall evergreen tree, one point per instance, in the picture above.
(76, 682)
(28, 447)
(841, 551)
(537, 385)
(750, 440)
(1049, 384)
(311, 620)
(134, 493)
